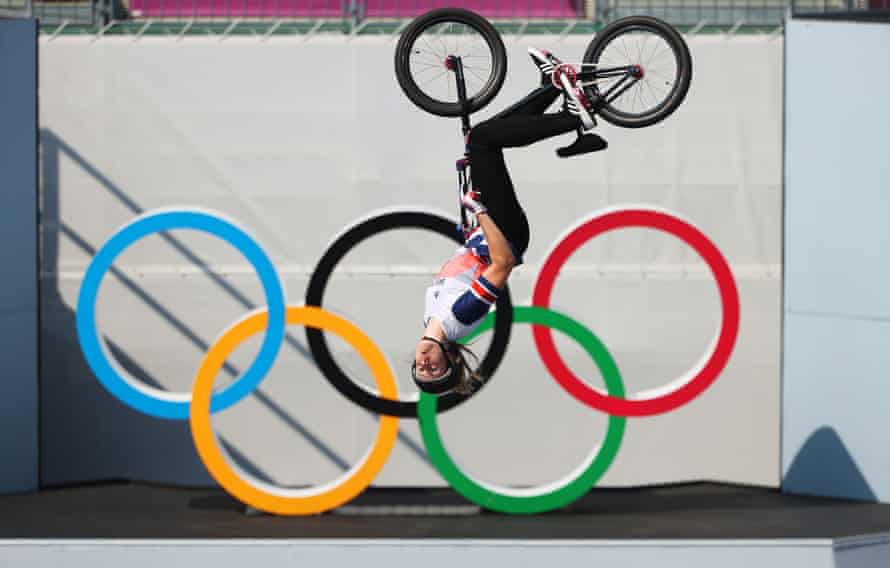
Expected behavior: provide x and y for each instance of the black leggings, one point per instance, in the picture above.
(520, 125)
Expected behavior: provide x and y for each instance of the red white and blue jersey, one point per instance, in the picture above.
(460, 297)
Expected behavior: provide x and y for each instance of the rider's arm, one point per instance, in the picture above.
(499, 251)
(483, 292)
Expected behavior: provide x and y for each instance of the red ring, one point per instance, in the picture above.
(729, 298)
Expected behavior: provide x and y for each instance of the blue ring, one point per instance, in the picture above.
(141, 398)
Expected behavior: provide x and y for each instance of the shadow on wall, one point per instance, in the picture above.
(86, 434)
(824, 466)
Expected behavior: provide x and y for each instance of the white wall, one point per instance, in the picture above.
(18, 256)
(837, 313)
(296, 139)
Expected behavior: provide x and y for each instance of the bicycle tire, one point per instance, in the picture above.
(477, 100)
(683, 60)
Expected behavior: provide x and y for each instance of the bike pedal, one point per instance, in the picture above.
(584, 144)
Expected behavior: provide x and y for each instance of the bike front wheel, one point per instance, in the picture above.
(422, 55)
(642, 71)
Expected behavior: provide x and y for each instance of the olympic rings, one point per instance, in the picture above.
(277, 315)
(697, 379)
(264, 496)
(153, 401)
(553, 495)
(353, 235)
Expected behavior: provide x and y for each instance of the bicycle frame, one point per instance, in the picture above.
(629, 74)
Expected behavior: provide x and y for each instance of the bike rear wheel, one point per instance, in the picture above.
(662, 71)
(422, 52)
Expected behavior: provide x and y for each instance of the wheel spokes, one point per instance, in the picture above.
(434, 45)
(658, 73)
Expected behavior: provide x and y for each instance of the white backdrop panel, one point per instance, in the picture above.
(298, 139)
(837, 309)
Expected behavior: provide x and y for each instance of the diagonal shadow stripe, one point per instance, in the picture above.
(71, 153)
(130, 365)
(245, 463)
(417, 449)
(177, 324)
(293, 423)
(233, 371)
(139, 372)
(135, 208)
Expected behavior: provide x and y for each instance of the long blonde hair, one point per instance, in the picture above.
(466, 366)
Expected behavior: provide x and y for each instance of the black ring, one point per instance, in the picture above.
(410, 219)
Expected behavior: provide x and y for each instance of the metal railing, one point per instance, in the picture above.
(55, 11)
(677, 12)
(699, 12)
(270, 17)
(356, 9)
(15, 9)
(866, 8)
(729, 12)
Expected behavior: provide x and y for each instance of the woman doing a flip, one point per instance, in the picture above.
(470, 281)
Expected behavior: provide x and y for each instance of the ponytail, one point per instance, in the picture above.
(466, 367)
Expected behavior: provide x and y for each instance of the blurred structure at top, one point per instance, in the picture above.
(269, 17)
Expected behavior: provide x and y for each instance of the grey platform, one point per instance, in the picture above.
(691, 525)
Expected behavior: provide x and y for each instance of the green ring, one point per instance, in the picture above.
(551, 496)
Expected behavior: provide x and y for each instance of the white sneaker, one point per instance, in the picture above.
(545, 61)
(576, 101)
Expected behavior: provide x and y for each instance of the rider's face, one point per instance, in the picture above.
(430, 360)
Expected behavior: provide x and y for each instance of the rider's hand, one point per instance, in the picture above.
(472, 202)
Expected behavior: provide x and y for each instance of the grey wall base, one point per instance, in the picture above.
(18, 256)
(857, 552)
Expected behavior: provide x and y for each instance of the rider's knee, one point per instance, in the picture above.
(480, 136)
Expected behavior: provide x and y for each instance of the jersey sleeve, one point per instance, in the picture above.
(474, 304)
(477, 245)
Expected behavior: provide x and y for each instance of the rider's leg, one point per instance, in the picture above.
(491, 179)
(489, 170)
(519, 130)
(576, 101)
(553, 70)
(535, 102)
(546, 63)
(541, 98)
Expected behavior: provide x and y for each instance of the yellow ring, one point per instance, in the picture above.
(264, 496)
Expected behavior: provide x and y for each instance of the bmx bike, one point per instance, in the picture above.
(452, 62)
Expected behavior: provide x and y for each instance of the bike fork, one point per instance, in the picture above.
(455, 64)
